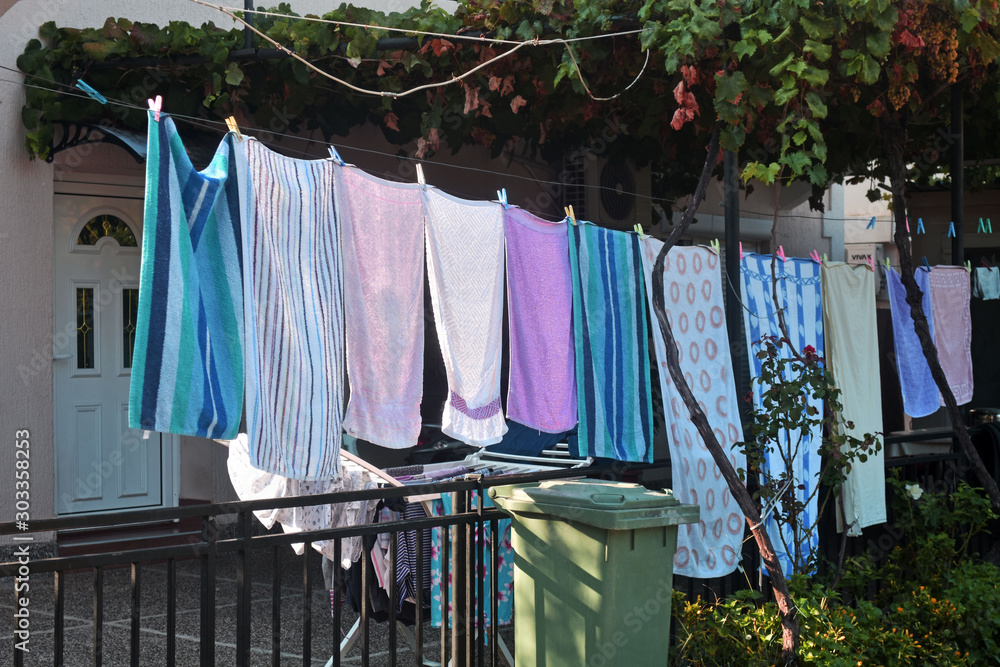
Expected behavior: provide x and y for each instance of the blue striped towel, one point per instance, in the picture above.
(294, 314)
(799, 294)
(187, 366)
(612, 345)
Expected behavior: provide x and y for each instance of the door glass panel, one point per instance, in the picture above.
(107, 225)
(130, 309)
(85, 327)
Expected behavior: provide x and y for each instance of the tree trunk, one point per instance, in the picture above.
(893, 142)
(789, 623)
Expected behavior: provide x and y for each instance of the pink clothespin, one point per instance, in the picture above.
(815, 257)
(741, 251)
(871, 262)
(781, 253)
(155, 106)
(907, 225)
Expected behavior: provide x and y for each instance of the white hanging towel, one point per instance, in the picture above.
(382, 227)
(465, 268)
(294, 314)
(849, 324)
(692, 288)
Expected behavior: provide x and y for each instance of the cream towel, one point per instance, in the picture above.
(852, 357)
(465, 268)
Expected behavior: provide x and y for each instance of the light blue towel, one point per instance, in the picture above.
(920, 393)
(612, 345)
(799, 293)
(187, 367)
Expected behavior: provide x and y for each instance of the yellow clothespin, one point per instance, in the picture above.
(570, 214)
(233, 127)
(715, 246)
(638, 230)
(968, 266)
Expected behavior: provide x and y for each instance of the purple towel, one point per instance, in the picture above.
(953, 328)
(542, 390)
(920, 394)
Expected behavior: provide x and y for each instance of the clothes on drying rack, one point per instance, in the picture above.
(251, 483)
(987, 283)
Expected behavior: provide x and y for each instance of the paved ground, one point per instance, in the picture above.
(79, 614)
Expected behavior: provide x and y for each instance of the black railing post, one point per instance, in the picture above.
(460, 584)
(209, 535)
(276, 609)
(98, 616)
(136, 612)
(307, 550)
(957, 174)
(171, 611)
(243, 589)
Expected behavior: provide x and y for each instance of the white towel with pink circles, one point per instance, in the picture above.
(692, 288)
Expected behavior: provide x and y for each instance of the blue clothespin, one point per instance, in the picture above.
(336, 156)
(989, 226)
(502, 196)
(926, 265)
(980, 228)
(90, 91)
(871, 223)
(920, 226)
(951, 229)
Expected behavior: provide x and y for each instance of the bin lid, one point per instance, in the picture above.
(595, 502)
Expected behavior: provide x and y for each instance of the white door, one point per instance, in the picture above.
(101, 464)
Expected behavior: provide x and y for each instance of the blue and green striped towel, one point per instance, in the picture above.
(187, 366)
(612, 345)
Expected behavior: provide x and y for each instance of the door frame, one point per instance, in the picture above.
(111, 188)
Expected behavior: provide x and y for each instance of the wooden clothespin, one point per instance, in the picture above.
(815, 257)
(335, 156)
(716, 246)
(502, 197)
(920, 226)
(570, 214)
(234, 128)
(91, 92)
(155, 105)
(420, 175)
(781, 253)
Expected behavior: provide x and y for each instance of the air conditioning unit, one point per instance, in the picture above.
(611, 193)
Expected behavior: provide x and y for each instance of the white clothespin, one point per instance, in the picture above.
(155, 105)
(145, 435)
(420, 175)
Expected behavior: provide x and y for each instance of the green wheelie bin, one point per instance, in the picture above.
(593, 571)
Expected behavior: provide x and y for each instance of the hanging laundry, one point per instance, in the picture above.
(542, 388)
(614, 396)
(382, 227)
(799, 295)
(294, 314)
(692, 289)
(987, 283)
(920, 394)
(851, 331)
(485, 537)
(465, 268)
(950, 292)
(187, 365)
(251, 483)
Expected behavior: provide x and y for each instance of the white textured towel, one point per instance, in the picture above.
(465, 267)
(382, 227)
(294, 314)
(849, 325)
(692, 289)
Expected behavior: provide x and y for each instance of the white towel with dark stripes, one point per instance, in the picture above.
(294, 314)
(465, 267)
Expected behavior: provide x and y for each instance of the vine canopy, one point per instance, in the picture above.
(799, 85)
